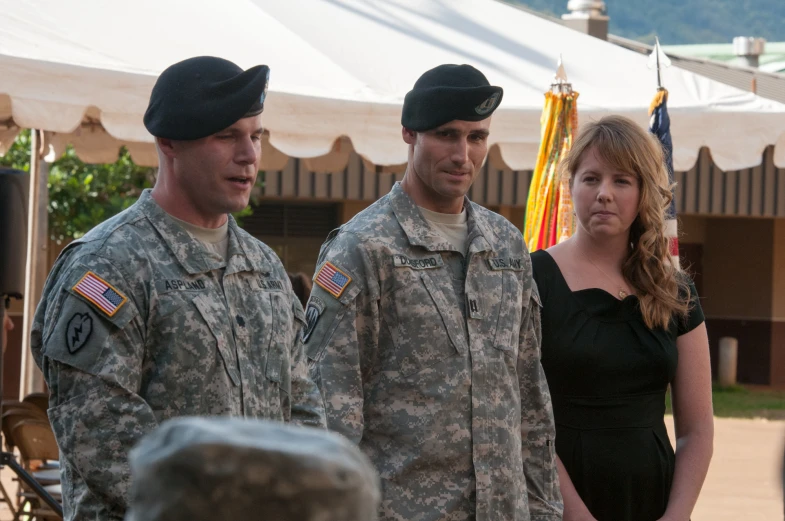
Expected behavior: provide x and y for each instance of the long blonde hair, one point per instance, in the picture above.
(623, 145)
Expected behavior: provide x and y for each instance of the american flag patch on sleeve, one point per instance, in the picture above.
(101, 293)
(332, 279)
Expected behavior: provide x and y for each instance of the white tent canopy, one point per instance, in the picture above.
(340, 68)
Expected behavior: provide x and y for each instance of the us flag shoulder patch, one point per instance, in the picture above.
(332, 280)
(105, 297)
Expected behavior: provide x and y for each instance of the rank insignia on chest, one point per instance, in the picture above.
(102, 294)
(331, 279)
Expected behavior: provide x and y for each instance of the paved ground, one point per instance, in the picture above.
(743, 482)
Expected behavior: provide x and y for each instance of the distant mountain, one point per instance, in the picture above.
(685, 21)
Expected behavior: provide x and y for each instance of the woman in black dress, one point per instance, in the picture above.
(619, 324)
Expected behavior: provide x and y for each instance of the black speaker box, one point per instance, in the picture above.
(13, 230)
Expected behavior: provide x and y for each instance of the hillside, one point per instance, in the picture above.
(685, 21)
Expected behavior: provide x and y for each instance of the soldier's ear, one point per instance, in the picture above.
(166, 146)
(409, 136)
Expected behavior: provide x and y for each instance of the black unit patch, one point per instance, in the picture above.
(78, 331)
(313, 311)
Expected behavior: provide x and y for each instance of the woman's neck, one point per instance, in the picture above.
(608, 251)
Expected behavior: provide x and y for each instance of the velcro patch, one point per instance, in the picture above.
(424, 263)
(270, 284)
(78, 331)
(331, 279)
(506, 263)
(105, 296)
(313, 311)
(167, 285)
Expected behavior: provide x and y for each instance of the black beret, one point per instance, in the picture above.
(200, 96)
(449, 92)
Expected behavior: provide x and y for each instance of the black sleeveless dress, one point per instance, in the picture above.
(608, 374)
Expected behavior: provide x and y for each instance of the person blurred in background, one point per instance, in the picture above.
(301, 285)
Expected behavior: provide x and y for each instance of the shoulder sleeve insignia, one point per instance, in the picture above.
(332, 280)
(78, 331)
(312, 313)
(105, 297)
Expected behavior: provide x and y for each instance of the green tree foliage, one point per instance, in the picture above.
(82, 195)
(685, 22)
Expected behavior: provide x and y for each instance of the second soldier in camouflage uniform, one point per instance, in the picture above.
(423, 329)
(170, 309)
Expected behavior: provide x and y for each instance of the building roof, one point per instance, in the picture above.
(769, 85)
(772, 59)
(714, 61)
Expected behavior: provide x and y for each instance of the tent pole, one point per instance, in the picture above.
(36, 266)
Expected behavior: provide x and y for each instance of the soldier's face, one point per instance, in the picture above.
(446, 160)
(216, 174)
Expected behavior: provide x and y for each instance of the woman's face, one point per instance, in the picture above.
(605, 199)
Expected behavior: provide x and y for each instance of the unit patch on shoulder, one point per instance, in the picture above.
(331, 279)
(78, 331)
(312, 313)
(105, 297)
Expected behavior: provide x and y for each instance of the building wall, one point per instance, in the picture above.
(778, 306)
(739, 266)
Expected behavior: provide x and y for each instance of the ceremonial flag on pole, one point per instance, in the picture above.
(549, 218)
(660, 126)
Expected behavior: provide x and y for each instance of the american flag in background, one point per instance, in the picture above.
(660, 126)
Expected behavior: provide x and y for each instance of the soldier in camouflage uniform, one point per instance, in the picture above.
(169, 308)
(423, 329)
(208, 469)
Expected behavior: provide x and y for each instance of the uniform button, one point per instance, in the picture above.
(240, 321)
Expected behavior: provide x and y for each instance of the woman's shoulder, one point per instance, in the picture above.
(688, 292)
(545, 272)
(539, 258)
(542, 265)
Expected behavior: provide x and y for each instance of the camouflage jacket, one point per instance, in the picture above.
(431, 363)
(135, 327)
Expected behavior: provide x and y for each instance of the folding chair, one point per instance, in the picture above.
(12, 416)
(17, 413)
(40, 400)
(36, 442)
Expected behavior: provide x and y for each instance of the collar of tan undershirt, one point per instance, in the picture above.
(214, 239)
(453, 227)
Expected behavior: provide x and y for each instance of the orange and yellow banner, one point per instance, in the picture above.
(549, 217)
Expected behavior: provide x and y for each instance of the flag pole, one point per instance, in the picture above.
(659, 125)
